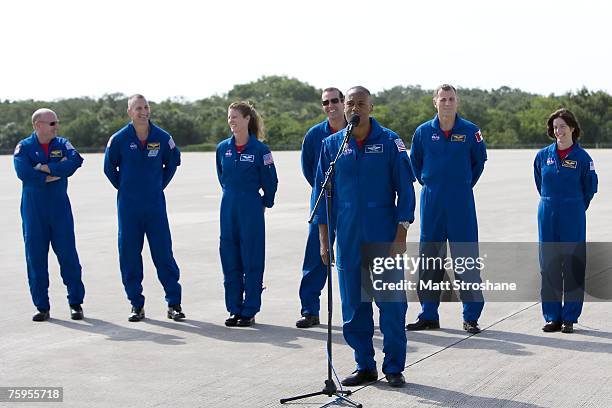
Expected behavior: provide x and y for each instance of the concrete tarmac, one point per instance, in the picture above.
(105, 361)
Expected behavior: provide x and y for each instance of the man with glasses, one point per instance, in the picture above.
(314, 272)
(43, 163)
(448, 155)
(140, 161)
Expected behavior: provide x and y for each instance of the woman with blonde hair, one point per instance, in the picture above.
(247, 175)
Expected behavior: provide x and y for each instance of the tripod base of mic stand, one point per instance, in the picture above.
(331, 391)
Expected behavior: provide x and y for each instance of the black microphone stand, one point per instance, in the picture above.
(330, 389)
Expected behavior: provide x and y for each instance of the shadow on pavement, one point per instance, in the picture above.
(281, 336)
(514, 343)
(441, 397)
(114, 332)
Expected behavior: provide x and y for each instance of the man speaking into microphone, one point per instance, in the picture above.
(373, 202)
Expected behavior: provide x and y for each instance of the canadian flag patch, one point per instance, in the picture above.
(478, 136)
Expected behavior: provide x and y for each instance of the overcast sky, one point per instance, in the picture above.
(69, 48)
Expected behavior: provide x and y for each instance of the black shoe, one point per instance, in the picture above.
(232, 320)
(422, 324)
(360, 377)
(567, 327)
(76, 312)
(307, 321)
(176, 313)
(551, 327)
(471, 327)
(396, 380)
(137, 314)
(41, 316)
(245, 321)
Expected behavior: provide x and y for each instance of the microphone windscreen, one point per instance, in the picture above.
(355, 120)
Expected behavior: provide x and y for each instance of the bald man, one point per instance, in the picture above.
(373, 203)
(43, 162)
(140, 161)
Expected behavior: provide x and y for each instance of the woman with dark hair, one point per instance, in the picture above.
(566, 180)
(244, 167)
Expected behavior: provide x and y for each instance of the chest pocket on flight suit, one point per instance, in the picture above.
(246, 166)
(569, 171)
(375, 158)
(345, 179)
(434, 145)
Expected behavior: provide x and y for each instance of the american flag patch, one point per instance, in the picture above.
(591, 166)
(69, 146)
(478, 136)
(267, 159)
(400, 145)
(171, 143)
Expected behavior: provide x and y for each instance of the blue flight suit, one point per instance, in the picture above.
(47, 216)
(448, 169)
(242, 242)
(140, 174)
(314, 271)
(373, 192)
(566, 188)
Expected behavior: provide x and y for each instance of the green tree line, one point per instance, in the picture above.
(508, 117)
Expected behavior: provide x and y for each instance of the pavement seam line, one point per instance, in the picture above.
(451, 345)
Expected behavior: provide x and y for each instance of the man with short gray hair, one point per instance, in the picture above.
(140, 161)
(448, 155)
(43, 162)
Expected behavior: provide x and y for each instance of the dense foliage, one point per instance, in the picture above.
(508, 117)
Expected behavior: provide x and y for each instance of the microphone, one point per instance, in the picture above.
(353, 121)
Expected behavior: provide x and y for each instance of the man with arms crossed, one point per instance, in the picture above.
(43, 163)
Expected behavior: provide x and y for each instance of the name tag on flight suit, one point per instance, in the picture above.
(55, 153)
(375, 148)
(458, 138)
(570, 164)
(247, 158)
